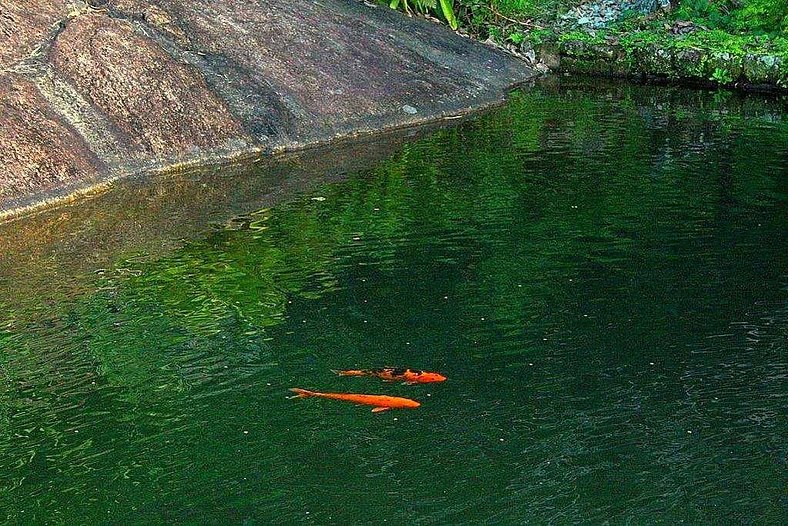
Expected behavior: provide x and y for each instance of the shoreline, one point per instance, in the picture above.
(676, 63)
(92, 95)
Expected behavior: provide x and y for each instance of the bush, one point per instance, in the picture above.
(768, 16)
(759, 16)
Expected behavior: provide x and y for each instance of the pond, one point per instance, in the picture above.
(599, 269)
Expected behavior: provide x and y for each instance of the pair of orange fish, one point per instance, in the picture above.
(379, 402)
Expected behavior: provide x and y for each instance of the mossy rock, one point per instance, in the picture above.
(578, 49)
(730, 66)
(761, 69)
(590, 66)
(654, 60)
(690, 63)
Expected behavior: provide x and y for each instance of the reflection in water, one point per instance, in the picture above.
(600, 271)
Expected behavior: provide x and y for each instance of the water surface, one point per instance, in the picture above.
(600, 270)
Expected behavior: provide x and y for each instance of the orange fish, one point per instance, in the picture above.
(391, 374)
(380, 402)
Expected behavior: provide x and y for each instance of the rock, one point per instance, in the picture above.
(141, 85)
(682, 27)
(766, 69)
(24, 26)
(162, 114)
(769, 61)
(39, 150)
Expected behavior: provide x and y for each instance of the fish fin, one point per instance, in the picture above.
(380, 409)
(301, 393)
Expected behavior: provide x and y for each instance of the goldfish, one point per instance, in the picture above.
(391, 374)
(379, 402)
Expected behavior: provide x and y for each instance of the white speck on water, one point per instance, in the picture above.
(246, 432)
(531, 364)
(376, 209)
(689, 432)
(318, 198)
(407, 343)
(500, 439)
(356, 238)
(585, 315)
(365, 321)
(268, 384)
(482, 319)
(429, 394)
(410, 110)
(544, 339)
(76, 431)
(651, 363)
(395, 419)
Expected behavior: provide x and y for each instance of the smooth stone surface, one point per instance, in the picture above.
(93, 93)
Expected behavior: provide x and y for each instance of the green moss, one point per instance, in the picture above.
(732, 40)
(710, 55)
(597, 37)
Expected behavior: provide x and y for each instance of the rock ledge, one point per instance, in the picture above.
(93, 91)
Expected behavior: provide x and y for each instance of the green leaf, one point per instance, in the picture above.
(448, 13)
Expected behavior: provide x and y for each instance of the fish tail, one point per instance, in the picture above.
(302, 393)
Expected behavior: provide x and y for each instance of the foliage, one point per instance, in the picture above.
(756, 16)
(444, 8)
(526, 9)
(501, 18)
(722, 76)
(763, 15)
(712, 14)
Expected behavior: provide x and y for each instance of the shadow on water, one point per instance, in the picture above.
(600, 269)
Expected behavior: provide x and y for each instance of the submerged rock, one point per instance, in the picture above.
(114, 87)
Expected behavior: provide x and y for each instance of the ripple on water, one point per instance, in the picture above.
(599, 271)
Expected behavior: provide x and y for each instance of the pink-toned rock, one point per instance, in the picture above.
(24, 26)
(118, 87)
(162, 106)
(39, 152)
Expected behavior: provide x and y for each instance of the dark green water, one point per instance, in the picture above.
(601, 272)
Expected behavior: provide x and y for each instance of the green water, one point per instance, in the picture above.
(601, 272)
